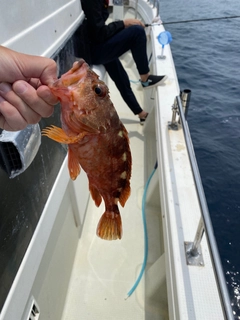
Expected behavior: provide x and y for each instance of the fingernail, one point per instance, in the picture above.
(5, 87)
(20, 87)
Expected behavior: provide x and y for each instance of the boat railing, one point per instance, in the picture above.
(193, 249)
(154, 3)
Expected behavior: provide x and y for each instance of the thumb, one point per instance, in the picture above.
(42, 68)
(19, 66)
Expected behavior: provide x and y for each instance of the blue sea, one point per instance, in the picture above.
(207, 60)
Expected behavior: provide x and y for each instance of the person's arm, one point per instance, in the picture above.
(24, 93)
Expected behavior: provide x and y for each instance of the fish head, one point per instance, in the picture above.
(84, 98)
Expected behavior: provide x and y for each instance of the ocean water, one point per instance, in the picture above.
(207, 59)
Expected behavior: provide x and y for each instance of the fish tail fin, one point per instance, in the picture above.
(110, 226)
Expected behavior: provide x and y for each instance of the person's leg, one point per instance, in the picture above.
(132, 38)
(120, 77)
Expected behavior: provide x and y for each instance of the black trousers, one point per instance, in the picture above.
(132, 38)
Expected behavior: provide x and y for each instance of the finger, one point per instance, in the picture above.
(19, 66)
(10, 118)
(34, 102)
(35, 83)
(140, 23)
(45, 94)
(44, 69)
(7, 92)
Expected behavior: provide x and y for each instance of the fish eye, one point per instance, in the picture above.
(100, 90)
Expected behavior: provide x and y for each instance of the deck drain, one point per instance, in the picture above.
(33, 311)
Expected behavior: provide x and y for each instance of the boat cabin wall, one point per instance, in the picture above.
(50, 282)
(38, 27)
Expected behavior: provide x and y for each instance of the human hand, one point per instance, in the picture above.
(132, 22)
(24, 93)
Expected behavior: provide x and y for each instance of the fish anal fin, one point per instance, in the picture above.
(125, 194)
(73, 165)
(110, 226)
(57, 134)
(95, 195)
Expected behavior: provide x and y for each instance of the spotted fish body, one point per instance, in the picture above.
(97, 141)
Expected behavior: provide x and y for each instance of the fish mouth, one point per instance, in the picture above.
(78, 64)
(76, 74)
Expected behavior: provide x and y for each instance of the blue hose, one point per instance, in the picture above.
(145, 234)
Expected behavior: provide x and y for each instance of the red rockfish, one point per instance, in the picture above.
(97, 141)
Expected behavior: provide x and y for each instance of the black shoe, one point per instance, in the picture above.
(153, 81)
(142, 120)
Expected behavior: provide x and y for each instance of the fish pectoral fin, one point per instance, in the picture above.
(110, 226)
(73, 165)
(57, 134)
